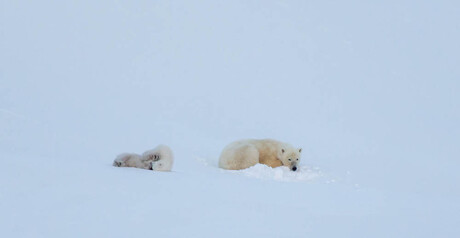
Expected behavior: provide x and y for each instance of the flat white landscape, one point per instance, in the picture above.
(370, 91)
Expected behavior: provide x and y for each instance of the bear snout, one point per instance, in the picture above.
(294, 168)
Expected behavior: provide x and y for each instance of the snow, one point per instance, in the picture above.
(369, 90)
(261, 171)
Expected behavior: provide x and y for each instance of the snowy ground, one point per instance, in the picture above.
(370, 91)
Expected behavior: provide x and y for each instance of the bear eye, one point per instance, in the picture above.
(297, 159)
(289, 159)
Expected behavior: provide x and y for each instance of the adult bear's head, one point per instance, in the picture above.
(290, 157)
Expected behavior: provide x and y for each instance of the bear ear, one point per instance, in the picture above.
(300, 150)
(282, 150)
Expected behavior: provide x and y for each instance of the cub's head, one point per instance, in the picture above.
(290, 157)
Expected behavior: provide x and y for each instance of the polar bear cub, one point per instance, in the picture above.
(243, 154)
(159, 159)
(130, 160)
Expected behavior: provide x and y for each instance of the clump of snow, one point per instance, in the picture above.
(282, 173)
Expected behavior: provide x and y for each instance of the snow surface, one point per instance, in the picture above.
(369, 90)
(281, 173)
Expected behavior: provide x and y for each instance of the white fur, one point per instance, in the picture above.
(163, 162)
(243, 154)
(159, 159)
(130, 160)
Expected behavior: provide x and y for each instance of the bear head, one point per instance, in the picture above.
(290, 157)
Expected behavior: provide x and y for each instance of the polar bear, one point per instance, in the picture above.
(158, 159)
(161, 158)
(130, 160)
(243, 154)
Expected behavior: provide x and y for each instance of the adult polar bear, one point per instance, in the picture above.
(243, 154)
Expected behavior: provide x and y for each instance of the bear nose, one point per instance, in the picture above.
(294, 168)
